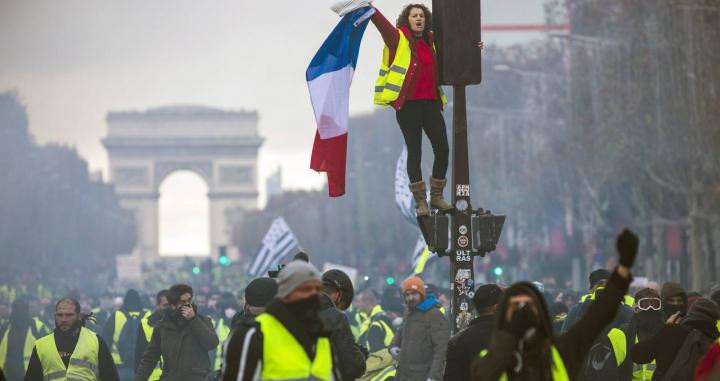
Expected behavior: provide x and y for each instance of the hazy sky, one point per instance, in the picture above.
(72, 61)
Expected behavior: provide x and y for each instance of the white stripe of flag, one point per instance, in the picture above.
(278, 242)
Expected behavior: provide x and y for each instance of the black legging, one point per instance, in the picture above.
(414, 117)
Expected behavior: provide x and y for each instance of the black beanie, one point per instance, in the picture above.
(260, 292)
(486, 295)
(598, 275)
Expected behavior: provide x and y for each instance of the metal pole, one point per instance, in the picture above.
(461, 245)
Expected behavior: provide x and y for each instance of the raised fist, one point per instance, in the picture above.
(627, 247)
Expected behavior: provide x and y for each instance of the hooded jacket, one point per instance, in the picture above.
(664, 346)
(669, 290)
(572, 346)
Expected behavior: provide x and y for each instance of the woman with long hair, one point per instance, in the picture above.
(408, 82)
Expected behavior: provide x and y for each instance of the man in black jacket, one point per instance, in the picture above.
(337, 295)
(252, 354)
(464, 347)
(68, 324)
(524, 347)
(148, 324)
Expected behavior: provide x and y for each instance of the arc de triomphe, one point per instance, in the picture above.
(220, 146)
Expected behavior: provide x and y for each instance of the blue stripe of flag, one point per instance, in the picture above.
(340, 48)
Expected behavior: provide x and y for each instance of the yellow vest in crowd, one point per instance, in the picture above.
(370, 322)
(148, 332)
(392, 75)
(388, 372)
(627, 299)
(285, 359)
(223, 331)
(357, 322)
(619, 344)
(27, 348)
(643, 372)
(120, 321)
(83, 363)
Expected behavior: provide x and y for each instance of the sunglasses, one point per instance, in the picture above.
(645, 304)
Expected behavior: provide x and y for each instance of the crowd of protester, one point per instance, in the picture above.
(304, 324)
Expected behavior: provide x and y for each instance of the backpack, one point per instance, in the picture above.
(128, 337)
(688, 357)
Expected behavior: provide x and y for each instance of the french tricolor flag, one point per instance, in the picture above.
(329, 76)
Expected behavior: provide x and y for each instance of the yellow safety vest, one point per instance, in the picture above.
(27, 349)
(361, 322)
(388, 372)
(389, 334)
(148, 332)
(285, 359)
(392, 76)
(619, 344)
(559, 373)
(222, 331)
(120, 320)
(83, 363)
(627, 299)
(643, 372)
(40, 327)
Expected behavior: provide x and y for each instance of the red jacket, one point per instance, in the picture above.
(708, 363)
(427, 78)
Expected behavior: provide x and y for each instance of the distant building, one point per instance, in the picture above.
(273, 184)
(220, 146)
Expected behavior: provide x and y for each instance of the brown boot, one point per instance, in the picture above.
(436, 194)
(420, 194)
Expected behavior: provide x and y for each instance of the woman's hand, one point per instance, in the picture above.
(481, 45)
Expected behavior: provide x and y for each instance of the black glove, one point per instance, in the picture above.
(627, 246)
(364, 350)
(523, 319)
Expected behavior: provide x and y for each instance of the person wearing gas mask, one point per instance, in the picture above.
(288, 341)
(420, 344)
(183, 339)
(524, 347)
(648, 320)
(71, 351)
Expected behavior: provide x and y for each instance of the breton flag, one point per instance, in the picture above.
(403, 197)
(279, 241)
(329, 76)
(421, 256)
